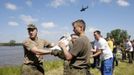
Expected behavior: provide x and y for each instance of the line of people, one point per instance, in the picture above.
(76, 53)
(121, 51)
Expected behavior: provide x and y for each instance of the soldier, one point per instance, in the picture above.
(61, 55)
(33, 52)
(79, 53)
(66, 62)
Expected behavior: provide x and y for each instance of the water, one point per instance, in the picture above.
(14, 55)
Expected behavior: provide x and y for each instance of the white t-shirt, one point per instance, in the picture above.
(106, 51)
(95, 45)
(129, 45)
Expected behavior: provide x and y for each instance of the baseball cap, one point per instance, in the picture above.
(31, 26)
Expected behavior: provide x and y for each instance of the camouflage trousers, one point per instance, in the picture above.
(66, 68)
(30, 69)
(73, 71)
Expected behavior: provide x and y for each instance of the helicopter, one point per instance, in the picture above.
(83, 8)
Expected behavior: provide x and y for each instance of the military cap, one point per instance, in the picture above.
(31, 26)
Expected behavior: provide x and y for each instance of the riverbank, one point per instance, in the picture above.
(56, 68)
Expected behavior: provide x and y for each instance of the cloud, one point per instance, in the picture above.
(91, 29)
(11, 6)
(57, 3)
(123, 3)
(28, 19)
(48, 25)
(13, 23)
(72, 1)
(50, 35)
(89, 32)
(47, 32)
(29, 2)
(106, 1)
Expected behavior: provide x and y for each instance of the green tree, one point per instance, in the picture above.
(12, 42)
(118, 35)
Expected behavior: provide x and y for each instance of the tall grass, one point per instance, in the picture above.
(124, 69)
(16, 70)
(56, 68)
(12, 70)
(51, 65)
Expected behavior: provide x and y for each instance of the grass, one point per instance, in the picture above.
(124, 68)
(11, 70)
(50, 67)
(56, 68)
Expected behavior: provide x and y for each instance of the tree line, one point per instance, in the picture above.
(11, 43)
(117, 34)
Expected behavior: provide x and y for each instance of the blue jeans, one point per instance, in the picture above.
(107, 67)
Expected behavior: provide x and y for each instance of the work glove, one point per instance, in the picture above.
(58, 53)
(55, 52)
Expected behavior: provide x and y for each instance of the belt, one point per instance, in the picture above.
(108, 59)
(74, 67)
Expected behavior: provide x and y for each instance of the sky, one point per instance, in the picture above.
(54, 17)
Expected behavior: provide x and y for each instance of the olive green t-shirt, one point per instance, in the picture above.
(29, 56)
(81, 52)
